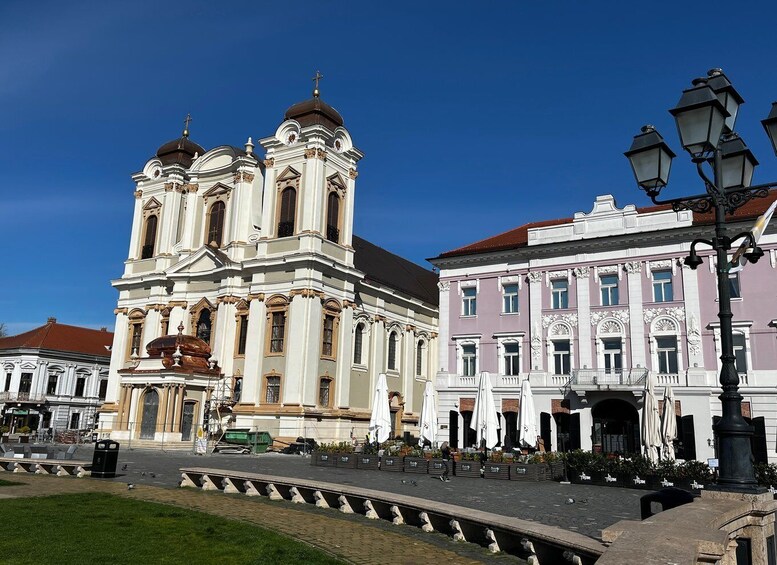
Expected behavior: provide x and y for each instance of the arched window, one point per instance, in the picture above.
(288, 212)
(419, 358)
(204, 325)
(149, 238)
(392, 351)
(358, 340)
(216, 224)
(333, 218)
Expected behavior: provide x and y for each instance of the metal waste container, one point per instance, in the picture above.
(106, 456)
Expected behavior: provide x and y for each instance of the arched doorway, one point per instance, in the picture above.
(616, 427)
(150, 410)
(186, 421)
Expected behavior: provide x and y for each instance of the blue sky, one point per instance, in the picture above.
(474, 117)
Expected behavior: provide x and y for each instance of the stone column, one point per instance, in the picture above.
(344, 357)
(255, 344)
(137, 227)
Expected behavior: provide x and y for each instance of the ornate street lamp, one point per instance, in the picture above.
(705, 117)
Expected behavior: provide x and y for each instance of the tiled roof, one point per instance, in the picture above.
(519, 237)
(391, 270)
(61, 337)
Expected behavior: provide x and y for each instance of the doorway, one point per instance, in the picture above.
(615, 427)
(150, 410)
(186, 421)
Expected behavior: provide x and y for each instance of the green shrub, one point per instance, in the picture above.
(695, 471)
(766, 474)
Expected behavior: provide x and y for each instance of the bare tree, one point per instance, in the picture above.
(3, 329)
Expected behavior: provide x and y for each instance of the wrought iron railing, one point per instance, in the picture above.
(603, 377)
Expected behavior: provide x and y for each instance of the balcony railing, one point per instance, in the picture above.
(609, 377)
(21, 397)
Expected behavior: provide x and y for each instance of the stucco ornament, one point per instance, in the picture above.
(678, 313)
(620, 315)
(694, 335)
(569, 319)
(582, 272)
(444, 286)
(534, 277)
(536, 343)
(633, 267)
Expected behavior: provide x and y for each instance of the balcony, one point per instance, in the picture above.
(21, 397)
(607, 379)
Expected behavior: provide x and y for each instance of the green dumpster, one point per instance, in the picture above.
(257, 441)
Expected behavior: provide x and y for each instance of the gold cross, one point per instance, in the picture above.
(186, 122)
(317, 78)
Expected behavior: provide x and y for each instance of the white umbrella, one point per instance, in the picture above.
(484, 417)
(527, 417)
(380, 420)
(428, 421)
(651, 423)
(668, 424)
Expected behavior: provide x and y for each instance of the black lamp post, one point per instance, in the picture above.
(705, 116)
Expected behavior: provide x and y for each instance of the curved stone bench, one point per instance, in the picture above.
(59, 467)
(534, 542)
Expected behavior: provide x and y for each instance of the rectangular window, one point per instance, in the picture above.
(25, 385)
(80, 385)
(662, 286)
(609, 290)
(612, 355)
(326, 345)
(469, 302)
(323, 392)
(237, 389)
(392, 352)
(273, 392)
(733, 285)
(357, 344)
(560, 290)
(277, 331)
(137, 332)
(561, 357)
(103, 389)
(75, 420)
(51, 388)
(667, 354)
(469, 358)
(242, 334)
(510, 299)
(740, 352)
(8, 381)
(512, 363)
(419, 359)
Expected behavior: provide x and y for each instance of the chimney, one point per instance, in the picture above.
(51, 320)
(103, 329)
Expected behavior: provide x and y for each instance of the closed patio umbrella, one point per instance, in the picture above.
(428, 421)
(527, 417)
(484, 417)
(380, 420)
(651, 423)
(668, 424)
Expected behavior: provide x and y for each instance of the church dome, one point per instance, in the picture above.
(315, 112)
(192, 352)
(179, 151)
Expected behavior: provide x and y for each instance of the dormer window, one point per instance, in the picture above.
(215, 224)
(288, 212)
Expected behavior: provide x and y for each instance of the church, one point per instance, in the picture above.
(247, 301)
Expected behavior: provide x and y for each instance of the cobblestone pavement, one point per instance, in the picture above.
(547, 502)
(351, 538)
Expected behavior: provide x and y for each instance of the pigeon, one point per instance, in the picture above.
(153, 476)
(143, 474)
(404, 482)
(124, 467)
(570, 501)
(130, 486)
(415, 484)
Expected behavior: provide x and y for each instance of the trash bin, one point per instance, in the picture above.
(106, 456)
(260, 441)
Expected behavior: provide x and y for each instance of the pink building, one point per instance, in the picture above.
(585, 308)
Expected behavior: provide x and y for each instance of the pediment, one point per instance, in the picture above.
(205, 261)
(28, 366)
(152, 204)
(289, 173)
(217, 190)
(336, 181)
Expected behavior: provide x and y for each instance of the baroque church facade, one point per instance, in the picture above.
(284, 318)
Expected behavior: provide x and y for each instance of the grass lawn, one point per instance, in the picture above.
(101, 528)
(4, 483)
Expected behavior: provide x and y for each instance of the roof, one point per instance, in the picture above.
(384, 267)
(179, 151)
(519, 237)
(314, 112)
(61, 337)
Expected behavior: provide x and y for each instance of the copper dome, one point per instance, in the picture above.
(314, 112)
(194, 353)
(179, 151)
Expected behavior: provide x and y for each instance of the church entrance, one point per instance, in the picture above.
(616, 427)
(150, 410)
(186, 421)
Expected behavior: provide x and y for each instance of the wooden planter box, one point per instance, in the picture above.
(345, 460)
(528, 471)
(323, 459)
(496, 470)
(391, 463)
(436, 467)
(367, 461)
(468, 469)
(417, 465)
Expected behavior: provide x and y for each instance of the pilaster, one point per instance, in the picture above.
(636, 322)
(344, 358)
(584, 316)
(257, 323)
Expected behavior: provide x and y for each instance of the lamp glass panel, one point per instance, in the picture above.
(747, 177)
(731, 105)
(665, 166)
(700, 128)
(646, 165)
(732, 170)
(771, 131)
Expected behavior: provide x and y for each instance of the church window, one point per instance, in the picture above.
(204, 325)
(288, 212)
(326, 346)
(237, 389)
(135, 342)
(216, 224)
(51, 387)
(80, 385)
(149, 238)
(419, 358)
(324, 392)
(242, 333)
(358, 341)
(333, 218)
(277, 331)
(392, 351)
(272, 390)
